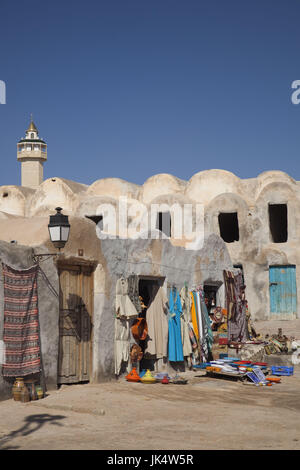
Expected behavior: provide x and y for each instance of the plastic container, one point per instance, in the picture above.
(282, 370)
(201, 366)
(273, 379)
(253, 378)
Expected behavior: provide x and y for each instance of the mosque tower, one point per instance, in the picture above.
(32, 153)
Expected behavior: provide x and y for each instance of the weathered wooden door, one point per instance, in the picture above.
(283, 292)
(75, 323)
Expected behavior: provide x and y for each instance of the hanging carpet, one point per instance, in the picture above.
(21, 322)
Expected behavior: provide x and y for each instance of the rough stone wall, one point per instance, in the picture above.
(20, 257)
(217, 190)
(146, 257)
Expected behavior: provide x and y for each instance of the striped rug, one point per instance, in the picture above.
(21, 322)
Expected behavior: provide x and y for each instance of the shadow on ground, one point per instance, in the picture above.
(32, 423)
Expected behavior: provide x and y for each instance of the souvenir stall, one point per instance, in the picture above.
(160, 327)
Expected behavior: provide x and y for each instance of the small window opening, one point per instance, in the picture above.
(163, 223)
(278, 222)
(229, 226)
(210, 296)
(98, 219)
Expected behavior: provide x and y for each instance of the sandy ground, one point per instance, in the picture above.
(207, 413)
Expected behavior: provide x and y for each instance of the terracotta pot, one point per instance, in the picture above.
(17, 388)
(25, 395)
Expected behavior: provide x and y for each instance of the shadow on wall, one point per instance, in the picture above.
(75, 329)
(32, 424)
(76, 321)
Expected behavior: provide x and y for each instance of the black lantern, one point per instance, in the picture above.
(59, 228)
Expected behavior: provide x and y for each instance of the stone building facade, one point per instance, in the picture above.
(248, 223)
(256, 217)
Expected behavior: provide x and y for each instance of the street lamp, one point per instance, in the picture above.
(59, 228)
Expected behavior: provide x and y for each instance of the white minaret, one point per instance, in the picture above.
(32, 153)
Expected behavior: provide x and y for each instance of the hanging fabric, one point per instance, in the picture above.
(122, 342)
(201, 327)
(201, 324)
(193, 339)
(133, 291)
(236, 307)
(125, 311)
(175, 349)
(184, 320)
(124, 305)
(21, 322)
(194, 315)
(207, 331)
(157, 323)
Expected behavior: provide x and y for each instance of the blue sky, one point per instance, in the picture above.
(132, 88)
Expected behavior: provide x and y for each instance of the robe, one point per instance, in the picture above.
(157, 323)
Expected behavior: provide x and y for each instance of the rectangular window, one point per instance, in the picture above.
(163, 223)
(229, 226)
(278, 223)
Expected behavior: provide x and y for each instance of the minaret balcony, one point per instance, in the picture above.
(32, 150)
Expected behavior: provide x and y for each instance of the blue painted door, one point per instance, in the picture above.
(283, 292)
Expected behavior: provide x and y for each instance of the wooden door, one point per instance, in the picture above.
(283, 292)
(75, 323)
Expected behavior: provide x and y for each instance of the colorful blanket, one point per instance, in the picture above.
(21, 322)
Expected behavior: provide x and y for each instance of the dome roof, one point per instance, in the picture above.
(32, 127)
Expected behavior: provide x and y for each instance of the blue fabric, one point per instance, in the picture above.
(175, 349)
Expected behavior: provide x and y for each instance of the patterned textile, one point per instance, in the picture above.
(204, 328)
(21, 322)
(208, 334)
(236, 305)
(184, 319)
(192, 336)
(230, 293)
